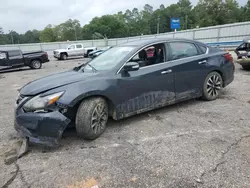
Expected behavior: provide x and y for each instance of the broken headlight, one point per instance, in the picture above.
(40, 103)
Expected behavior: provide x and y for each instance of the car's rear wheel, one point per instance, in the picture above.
(91, 118)
(212, 86)
(36, 64)
(63, 56)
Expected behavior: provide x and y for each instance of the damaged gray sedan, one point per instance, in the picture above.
(121, 82)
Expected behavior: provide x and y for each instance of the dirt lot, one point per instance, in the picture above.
(192, 144)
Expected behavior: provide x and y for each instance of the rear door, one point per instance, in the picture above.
(79, 50)
(189, 63)
(15, 58)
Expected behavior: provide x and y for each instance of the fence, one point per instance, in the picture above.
(222, 35)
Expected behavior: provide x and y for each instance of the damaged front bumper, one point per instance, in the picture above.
(44, 128)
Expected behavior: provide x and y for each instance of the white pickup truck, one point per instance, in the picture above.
(72, 51)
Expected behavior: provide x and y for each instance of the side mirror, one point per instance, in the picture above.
(131, 66)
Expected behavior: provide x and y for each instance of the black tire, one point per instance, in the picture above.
(63, 56)
(36, 64)
(92, 111)
(245, 67)
(212, 86)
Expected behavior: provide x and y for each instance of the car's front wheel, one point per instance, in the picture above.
(91, 118)
(212, 86)
(63, 56)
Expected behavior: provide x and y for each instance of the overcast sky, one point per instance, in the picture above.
(23, 15)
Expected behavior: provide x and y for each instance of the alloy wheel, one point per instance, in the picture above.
(99, 118)
(214, 85)
(36, 64)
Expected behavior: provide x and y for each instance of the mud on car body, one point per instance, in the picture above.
(119, 83)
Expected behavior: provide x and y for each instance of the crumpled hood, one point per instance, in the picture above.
(53, 81)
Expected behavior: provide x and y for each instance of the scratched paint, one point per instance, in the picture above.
(145, 102)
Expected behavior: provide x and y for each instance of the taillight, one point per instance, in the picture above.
(228, 57)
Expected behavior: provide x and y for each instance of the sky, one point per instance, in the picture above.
(23, 15)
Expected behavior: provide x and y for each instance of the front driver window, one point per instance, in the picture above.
(71, 47)
(151, 55)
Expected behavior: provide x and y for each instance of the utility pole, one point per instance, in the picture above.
(11, 36)
(74, 28)
(75, 33)
(158, 25)
(186, 21)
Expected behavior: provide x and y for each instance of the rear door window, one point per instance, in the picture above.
(183, 50)
(78, 46)
(203, 49)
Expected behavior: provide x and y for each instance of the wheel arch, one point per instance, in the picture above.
(76, 103)
(36, 58)
(66, 53)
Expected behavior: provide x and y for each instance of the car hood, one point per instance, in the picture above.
(93, 52)
(53, 81)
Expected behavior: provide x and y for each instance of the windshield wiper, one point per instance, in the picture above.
(93, 68)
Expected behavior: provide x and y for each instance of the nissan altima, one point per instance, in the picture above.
(119, 83)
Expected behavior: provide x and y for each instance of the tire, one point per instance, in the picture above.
(36, 64)
(63, 56)
(212, 86)
(245, 67)
(91, 118)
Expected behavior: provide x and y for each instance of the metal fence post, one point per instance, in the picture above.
(218, 35)
(193, 34)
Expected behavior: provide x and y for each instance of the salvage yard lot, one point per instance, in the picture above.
(191, 144)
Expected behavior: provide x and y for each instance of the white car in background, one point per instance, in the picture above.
(73, 50)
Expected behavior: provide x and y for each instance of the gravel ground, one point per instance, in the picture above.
(191, 144)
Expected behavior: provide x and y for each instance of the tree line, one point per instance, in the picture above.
(137, 22)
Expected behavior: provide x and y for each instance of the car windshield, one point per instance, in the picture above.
(108, 60)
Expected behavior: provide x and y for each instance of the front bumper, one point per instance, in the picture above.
(244, 61)
(41, 128)
(56, 55)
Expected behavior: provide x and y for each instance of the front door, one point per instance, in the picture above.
(3, 58)
(145, 89)
(72, 50)
(79, 50)
(15, 58)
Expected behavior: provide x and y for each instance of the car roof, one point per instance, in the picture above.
(144, 42)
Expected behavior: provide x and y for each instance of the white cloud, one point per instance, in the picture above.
(23, 15)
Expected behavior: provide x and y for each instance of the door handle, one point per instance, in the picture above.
(202, 62)
(166, 71)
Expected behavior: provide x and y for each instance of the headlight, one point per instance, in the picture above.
(39, 103)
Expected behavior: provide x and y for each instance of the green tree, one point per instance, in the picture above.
(48, 34)
(2, 36)
(109, 26)
(245, 12)
(69, 30)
